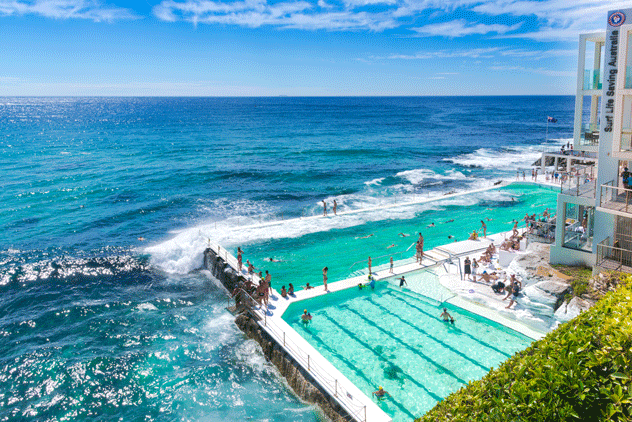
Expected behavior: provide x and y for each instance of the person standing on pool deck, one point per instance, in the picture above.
(239, 258)
(391, 270)
(268, 281)
(484, 227)
(324, 208)
(370, 266)
(335, 207)
(402, 281)
(467, 269)
(325, 277)
(474, 268)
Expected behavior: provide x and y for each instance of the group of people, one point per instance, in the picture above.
(335, 208)
(512, 288)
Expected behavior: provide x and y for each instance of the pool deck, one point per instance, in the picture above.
(467, 296)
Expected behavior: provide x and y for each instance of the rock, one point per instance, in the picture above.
(570, 310)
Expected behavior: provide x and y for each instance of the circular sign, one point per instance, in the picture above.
(616, 19)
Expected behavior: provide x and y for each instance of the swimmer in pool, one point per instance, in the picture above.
(403, 235)
(306, 318)
(380, 393)
(402, 281)
(450, 220)
(446, 316)
(365, 237)
(430, 225)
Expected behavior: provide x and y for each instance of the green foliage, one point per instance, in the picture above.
(582, 371)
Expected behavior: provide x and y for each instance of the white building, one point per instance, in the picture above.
(595, 216)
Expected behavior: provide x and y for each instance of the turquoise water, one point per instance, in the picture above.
(345, 250)
(394, 338)
(107, 204)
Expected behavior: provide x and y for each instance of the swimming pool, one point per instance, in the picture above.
(394, 338)
(299, 259)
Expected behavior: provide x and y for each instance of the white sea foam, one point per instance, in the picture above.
(419, 176)
(245, 221)
(375, 181)
(508, 160)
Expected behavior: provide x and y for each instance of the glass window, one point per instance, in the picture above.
(578, 227)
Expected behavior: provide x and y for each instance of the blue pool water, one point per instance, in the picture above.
(393, 337)
(106, 205)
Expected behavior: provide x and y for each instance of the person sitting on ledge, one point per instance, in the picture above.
(473, 236)
(488, 277)
(291, 290)
(283, 292)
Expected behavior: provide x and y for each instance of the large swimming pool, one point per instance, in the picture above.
(299, 257)
(394, 338)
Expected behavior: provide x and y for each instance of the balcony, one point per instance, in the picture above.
(612, 256)
(584, 185)
(615, 198)
(589, 134)
(592, 79)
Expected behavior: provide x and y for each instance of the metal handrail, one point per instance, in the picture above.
(382, 256)
(326, 380)
(612, 197)
(617, 254)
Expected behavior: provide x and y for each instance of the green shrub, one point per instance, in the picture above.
(581, 371)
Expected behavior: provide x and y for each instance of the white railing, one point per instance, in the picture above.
(355, 408)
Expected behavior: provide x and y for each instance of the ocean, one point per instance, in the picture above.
(106, 205)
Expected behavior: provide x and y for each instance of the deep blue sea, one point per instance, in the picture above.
(106, 205)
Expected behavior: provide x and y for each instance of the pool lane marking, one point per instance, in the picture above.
(511, 331)
(447, 346)
(382, 358)
(412, 349)
(508, 355)
(355, 369)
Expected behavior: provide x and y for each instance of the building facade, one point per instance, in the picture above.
(594, 217)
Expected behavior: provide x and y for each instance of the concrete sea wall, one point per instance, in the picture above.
(299, 379)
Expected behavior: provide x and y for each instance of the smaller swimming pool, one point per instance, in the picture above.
(393, 337)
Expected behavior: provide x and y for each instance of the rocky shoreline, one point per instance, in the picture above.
(299, 379)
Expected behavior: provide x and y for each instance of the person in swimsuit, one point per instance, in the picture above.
(306, 318)
(380, 393)
(239, 258)
(467, 268)
(324, 208)
(370, 265)
(446, 316)
(391, 270)
(484, 227)
(474, 268)
(335, 207)
(307, 287)
(283, 292)
(325, 277)
(402, 281)
(291, 290)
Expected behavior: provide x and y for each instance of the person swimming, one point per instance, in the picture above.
(380, 393)
(446, 316)
(402, 281)
(306, 318)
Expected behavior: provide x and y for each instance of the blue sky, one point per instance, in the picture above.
(294, 47)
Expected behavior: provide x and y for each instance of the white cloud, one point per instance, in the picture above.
(470, 53)
(539, 70)
(558, 19)
(65, 9)
(461, 28)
